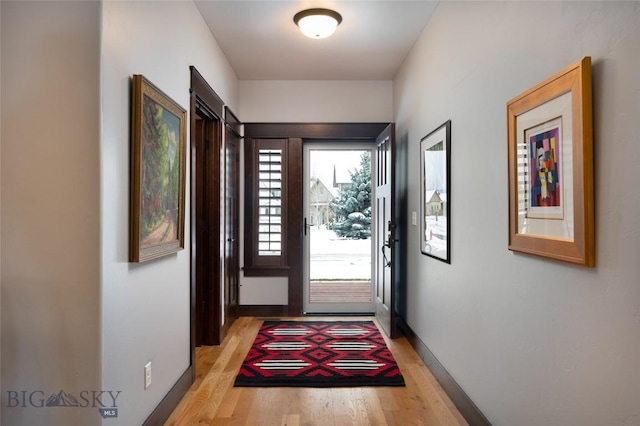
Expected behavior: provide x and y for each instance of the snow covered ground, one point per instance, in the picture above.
(436, 233)
(336, 258)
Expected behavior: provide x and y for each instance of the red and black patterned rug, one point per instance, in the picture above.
(319, 354)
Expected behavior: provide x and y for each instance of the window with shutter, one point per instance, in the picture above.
(266, 207)
(270, 202)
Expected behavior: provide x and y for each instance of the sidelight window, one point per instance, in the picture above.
(270, 202)
(265, 221)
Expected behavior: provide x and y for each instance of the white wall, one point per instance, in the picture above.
(531, 341)
(50, 207)
(146, 307)
(330, 101)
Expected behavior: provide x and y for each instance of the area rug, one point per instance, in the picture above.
(319, 354)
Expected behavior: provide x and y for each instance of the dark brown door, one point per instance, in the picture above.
(385, 240)
(232, 214)
(207, 214)
(199, 237)
(207, 187)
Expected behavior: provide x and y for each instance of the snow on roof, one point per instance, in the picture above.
(430, 194)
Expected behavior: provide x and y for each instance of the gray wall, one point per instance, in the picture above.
(75, 314)
(532, 341)
(145, 307)
(0, 221)
(50, 206)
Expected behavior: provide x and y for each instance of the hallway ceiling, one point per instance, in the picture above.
(261, 41)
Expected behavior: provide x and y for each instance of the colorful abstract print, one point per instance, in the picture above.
(545, 176)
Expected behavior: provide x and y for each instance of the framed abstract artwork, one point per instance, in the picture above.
(550, 163)
(435, 193)
(157, 193)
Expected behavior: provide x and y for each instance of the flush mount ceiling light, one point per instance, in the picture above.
(317, 23)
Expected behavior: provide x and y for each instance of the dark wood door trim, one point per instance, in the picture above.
(197, 181)
(316, 131)
(294, 225)
(232, 222)
(206, 212)
(232, 122)
(207, 95)
(213, 333)
(297, 134)
(207, 144)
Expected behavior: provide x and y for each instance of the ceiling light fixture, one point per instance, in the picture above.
(317, 23)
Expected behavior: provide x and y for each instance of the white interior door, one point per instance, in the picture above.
(338, 231)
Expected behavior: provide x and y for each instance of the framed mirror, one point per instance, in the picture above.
(435, 193)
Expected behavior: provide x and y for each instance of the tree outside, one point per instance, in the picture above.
(353, 204)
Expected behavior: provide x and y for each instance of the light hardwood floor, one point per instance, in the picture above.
(212, 399)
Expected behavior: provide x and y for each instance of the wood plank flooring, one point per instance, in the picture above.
(212, 399)
(340, 291)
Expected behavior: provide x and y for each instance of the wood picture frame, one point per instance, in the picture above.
(435, 193)
(550, 166)
(157, 176)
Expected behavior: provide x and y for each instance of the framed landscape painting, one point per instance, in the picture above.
(157, 194)
(435, 193)
(550, 163)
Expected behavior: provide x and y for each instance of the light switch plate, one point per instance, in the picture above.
(147, 375)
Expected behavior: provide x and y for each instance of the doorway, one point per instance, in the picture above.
(213, 201)
(386, 259)
(206, 168)
(338, 225)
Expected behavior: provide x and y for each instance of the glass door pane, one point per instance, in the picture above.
(338, 229)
